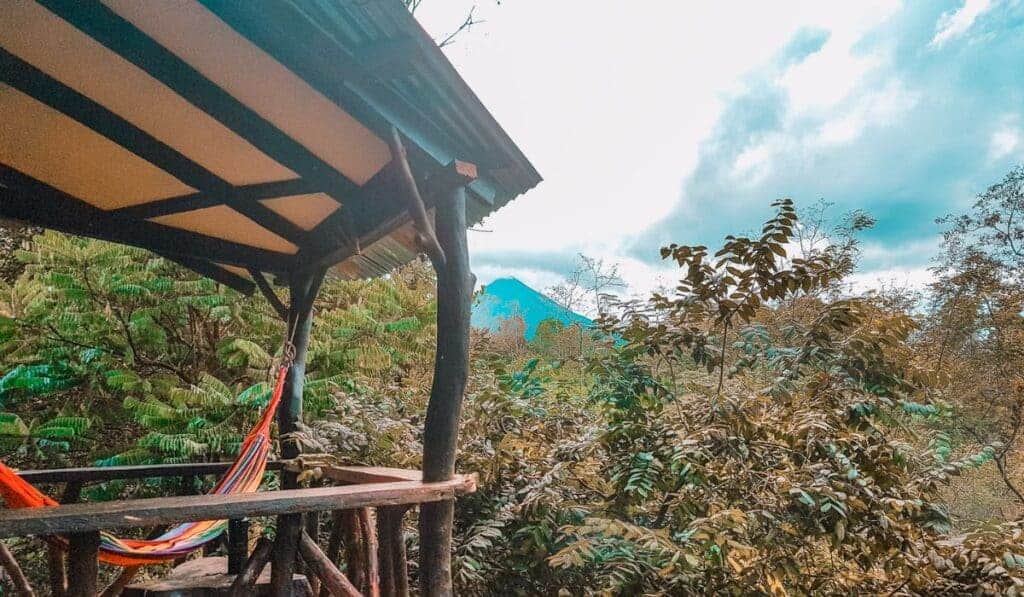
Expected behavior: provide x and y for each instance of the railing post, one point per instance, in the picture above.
(451, 369)
(304, 288)
(83, 549)
(238, 544)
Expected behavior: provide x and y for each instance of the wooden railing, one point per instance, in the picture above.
(375, 552)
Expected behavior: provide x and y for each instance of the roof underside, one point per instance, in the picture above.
(236, 136)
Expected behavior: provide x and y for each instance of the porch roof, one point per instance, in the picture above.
(239, 137)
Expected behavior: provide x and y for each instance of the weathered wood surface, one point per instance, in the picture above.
(355, 546)
(394, 567)
(302, 292)
(238, 544)
(369, 474)
(78, 518)
(127, 576)
(451, 370)
(82, 564)
(109, 473)
(243, 583)
(204, 577)
(320, 565)
(368, 526)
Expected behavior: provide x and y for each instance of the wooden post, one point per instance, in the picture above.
(355, 547)
(394, 568)
(372, 567)
(83, 548)
(451, 368)
(238, 544)
(320, 565)
(289, 526)
(246, 578)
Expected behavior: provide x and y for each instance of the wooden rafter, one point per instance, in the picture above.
(253, 192)
(410, 192)
(26, 199)
(37, 84)
(124, 39)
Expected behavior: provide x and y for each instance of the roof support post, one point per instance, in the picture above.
(451, 369)
(304, 288)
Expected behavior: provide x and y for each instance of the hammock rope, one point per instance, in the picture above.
(244, 476)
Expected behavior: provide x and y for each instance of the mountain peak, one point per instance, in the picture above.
(506, 298)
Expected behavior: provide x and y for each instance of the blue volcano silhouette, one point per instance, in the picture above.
(506, 298)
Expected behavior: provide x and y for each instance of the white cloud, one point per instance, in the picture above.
(913, 278)
(955, 23)
(1006, 140)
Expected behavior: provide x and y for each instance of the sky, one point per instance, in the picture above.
(659, 121)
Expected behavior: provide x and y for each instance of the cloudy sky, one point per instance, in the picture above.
(658, 121)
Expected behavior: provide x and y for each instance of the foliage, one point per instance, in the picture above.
(758, 430)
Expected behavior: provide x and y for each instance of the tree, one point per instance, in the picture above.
(586, 288)
(976, 332)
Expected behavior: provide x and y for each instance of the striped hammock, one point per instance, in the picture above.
(244, 476)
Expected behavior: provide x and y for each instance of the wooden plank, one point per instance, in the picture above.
(369, 474)
(148, 471)
(80, 518)
(205, 577)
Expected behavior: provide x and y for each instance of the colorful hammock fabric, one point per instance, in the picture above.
(244, 476)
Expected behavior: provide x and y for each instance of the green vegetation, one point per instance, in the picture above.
(759, 430)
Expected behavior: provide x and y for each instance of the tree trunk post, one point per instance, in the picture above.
(304, 288)
(451, 369)
(238, 544)
(83, 566)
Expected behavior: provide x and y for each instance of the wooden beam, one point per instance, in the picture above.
(269, 294)
(123, 514)
(254, 192)
(369, 474)
(330, 69)
(147, 471)
(451, 370)
(28, 200)
(118, 585)
(355, 546)
(388, 211)
(414, 201)
(124, 39)
(325, 570)
(246, 579)
(369, 529)
(42, 87)
(214, 272)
